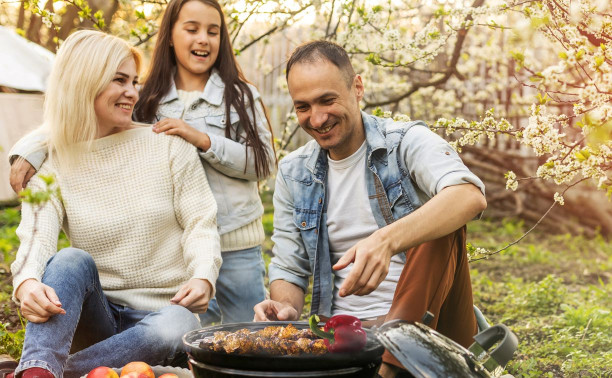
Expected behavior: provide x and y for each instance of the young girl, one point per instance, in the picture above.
(195, 89)
(140, 217)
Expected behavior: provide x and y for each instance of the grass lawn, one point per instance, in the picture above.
(553, 291)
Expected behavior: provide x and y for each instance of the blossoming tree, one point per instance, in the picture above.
(522, 88)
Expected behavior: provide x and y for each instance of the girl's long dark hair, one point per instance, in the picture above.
(159, 80)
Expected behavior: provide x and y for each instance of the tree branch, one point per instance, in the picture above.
(452, 68)
(329, 20)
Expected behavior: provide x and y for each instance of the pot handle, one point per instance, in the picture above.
(500, 356)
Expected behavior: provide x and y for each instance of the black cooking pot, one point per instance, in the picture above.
(209, 363)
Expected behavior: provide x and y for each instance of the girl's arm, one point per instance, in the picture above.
(229, 157)
(32, 150)
(32, 147)
(225, 155)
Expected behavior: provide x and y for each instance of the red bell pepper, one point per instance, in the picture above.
(341, 333)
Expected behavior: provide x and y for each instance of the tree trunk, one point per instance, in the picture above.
(33, 32)
(69, 20)
(21, 17)
(50, 44)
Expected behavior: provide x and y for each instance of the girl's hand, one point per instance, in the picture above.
(21, 172)
(173, 126)
(194, 295)
(38, 301)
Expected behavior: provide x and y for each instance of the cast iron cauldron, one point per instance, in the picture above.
(211, 364)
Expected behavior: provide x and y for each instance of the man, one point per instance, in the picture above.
(348, 204)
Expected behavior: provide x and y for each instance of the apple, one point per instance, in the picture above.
(135, 375)
(168, 375)
(102, 372)
(141, 368)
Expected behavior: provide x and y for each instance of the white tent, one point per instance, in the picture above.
(24, 65)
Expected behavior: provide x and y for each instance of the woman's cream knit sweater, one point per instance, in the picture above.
(140, 204)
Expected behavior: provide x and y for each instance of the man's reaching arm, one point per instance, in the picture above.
(447, 211)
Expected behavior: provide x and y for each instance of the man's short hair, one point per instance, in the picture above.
(317, 51)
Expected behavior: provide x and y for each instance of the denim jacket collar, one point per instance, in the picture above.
(213, 91)
(374, 134)
(374, 138)
(317, 163)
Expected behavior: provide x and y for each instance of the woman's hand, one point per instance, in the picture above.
(173, 126)
(194, 295)
(21, 172)
(38, 301)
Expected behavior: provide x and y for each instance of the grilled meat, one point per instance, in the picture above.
(273, 340)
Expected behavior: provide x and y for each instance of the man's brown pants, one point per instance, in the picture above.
(436, 278)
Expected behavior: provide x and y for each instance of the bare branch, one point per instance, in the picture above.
(329, 19)
(452, 67)
(531, 229)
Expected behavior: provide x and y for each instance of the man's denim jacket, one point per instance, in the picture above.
(301, 246)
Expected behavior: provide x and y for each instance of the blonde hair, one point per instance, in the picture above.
(84, 66)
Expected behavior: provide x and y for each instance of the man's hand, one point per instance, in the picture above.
(286, 303)
(269, 310)
(21, 172)
(194, 295)
(172, 126)
(38, 301)
(371, 258)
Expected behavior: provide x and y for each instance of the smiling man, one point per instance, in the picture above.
(374, 210)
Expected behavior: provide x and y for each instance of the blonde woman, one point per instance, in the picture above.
(140, 217)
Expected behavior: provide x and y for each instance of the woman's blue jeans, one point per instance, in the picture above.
(240, 287)
(95, 332)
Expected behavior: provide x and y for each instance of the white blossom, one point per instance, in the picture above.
(511, 182)
(559, 199)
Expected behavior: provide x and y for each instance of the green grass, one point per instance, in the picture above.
(553, 291)
(11, 342)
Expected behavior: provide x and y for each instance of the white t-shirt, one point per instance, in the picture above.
(349, 220)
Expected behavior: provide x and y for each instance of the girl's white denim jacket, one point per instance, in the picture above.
(234, 188)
